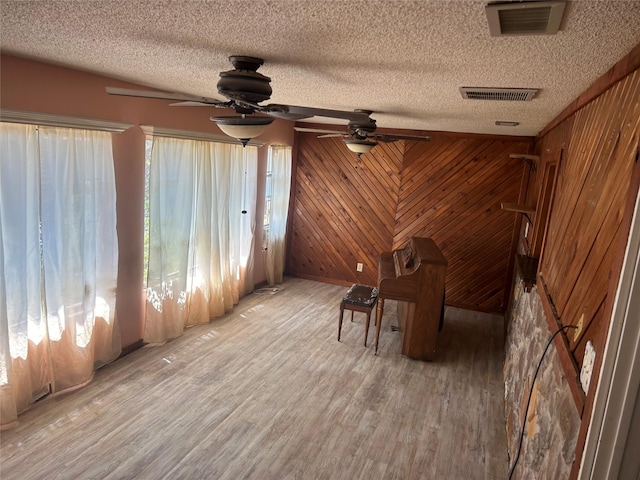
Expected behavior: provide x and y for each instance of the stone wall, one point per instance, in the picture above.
(553, 422)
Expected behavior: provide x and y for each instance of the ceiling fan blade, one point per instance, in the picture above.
(331, 135)
(315, 130)
(190, 104)
(382, 137)
(278, 111)
(285, 115)
(306, 112)
(127, 92)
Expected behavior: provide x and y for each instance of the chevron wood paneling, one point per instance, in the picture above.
(449, 189)
(344, 209)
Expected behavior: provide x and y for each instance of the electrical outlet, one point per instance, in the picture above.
(359, 267)
(587, 366)
(578, 330)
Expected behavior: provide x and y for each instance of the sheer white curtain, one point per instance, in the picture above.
(280, 188)
(201, 242)
(58, 254)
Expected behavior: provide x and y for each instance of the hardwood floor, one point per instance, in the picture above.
(269, 393)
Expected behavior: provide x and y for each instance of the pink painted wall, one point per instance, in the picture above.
(37, 87)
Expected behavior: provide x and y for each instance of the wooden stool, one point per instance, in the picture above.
(359, 298)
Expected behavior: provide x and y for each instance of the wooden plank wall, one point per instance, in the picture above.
(600, 147)
(343, 209)
(449, 189)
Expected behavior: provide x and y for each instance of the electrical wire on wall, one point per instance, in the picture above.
(533, 381)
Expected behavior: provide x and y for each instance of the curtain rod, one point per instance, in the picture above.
(55, 120)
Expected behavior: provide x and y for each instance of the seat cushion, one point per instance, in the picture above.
(361, 295)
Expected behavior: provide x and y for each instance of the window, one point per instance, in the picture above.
(202, 219)
(147, 173)
(277, 195)
(58, 260)
(267, 202)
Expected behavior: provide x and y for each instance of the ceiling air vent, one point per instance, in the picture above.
(525, 18)
(511, 94)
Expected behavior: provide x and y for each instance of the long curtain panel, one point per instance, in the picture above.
(80, 251)
(201, 233)
(280, 157)
(24, 372)
(58, 254)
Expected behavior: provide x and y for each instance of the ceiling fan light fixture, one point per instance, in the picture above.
(359, 146)
(242, 127)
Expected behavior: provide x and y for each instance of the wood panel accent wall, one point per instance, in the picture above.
(600, 147)
(598, 136)
(449, 189)
(343, 209)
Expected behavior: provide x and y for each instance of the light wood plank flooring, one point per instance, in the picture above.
(269, 393)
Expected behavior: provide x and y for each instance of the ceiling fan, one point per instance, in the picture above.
(243, 89)
(360, 133)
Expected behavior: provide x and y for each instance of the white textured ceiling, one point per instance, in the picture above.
(405, 60)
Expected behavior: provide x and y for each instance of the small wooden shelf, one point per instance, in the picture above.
(522, 156)
(514, 207)
(531, 160)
